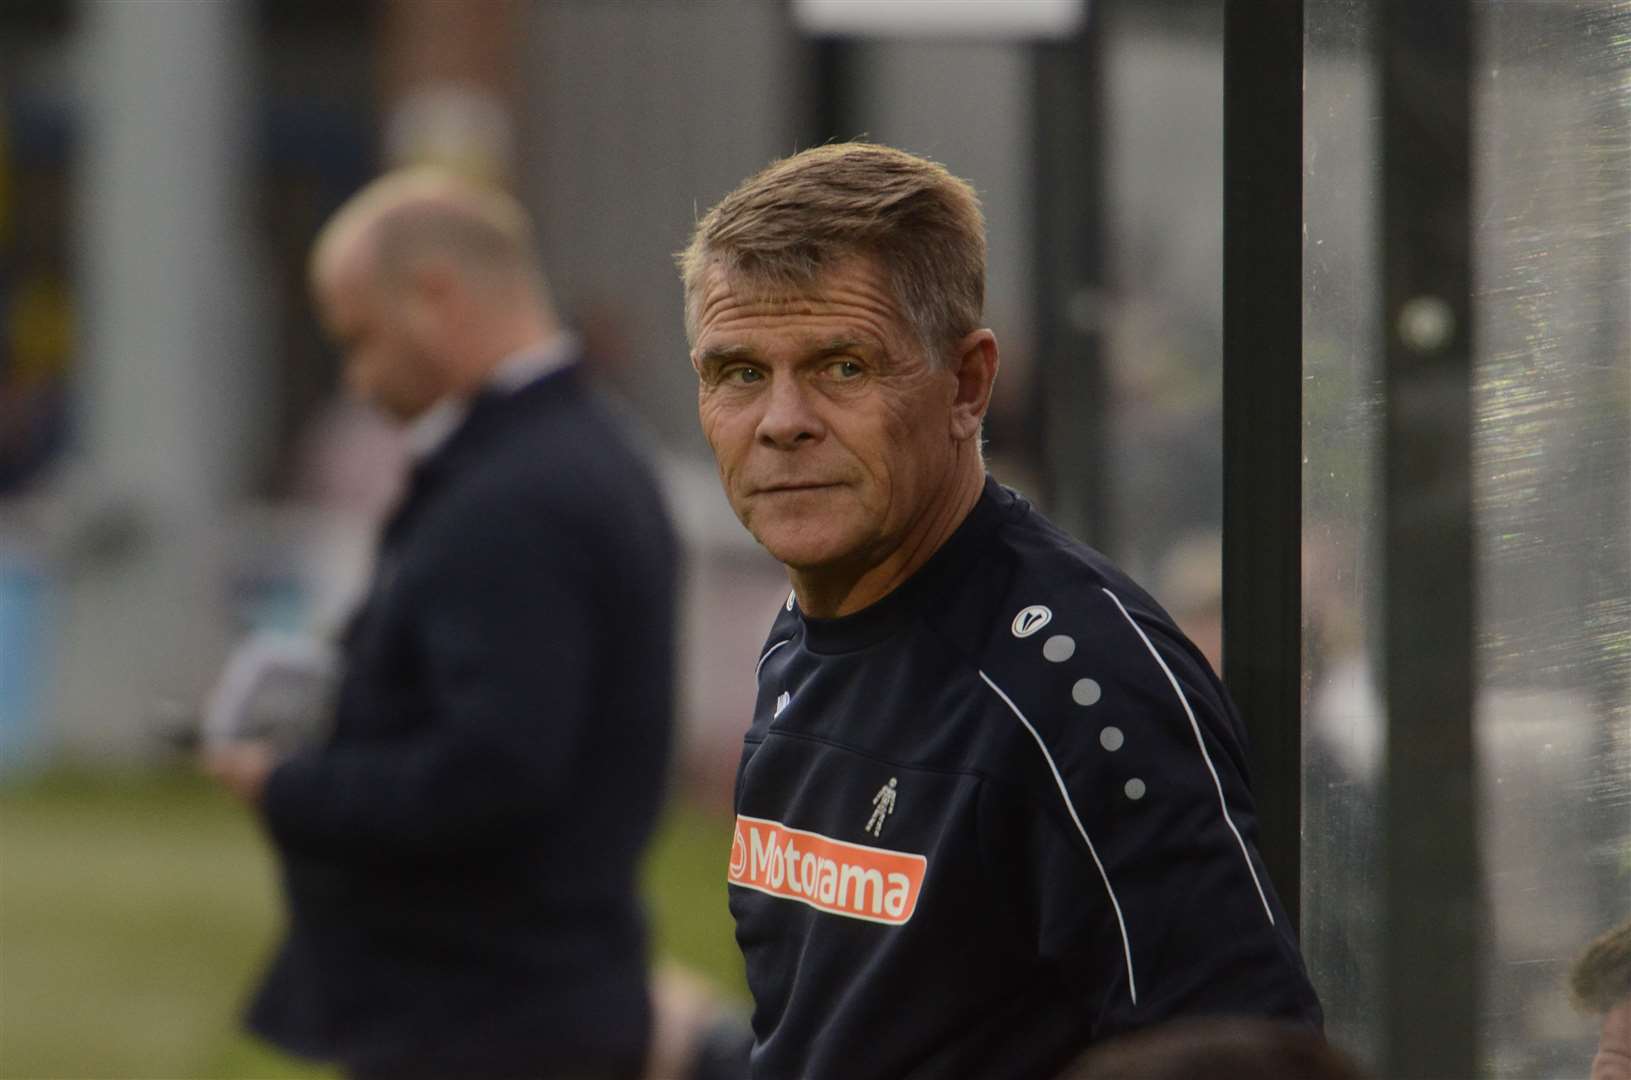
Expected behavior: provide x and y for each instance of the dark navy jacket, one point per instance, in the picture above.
(460, 859)
(995, 817)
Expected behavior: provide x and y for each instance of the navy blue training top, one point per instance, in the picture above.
(995, 817)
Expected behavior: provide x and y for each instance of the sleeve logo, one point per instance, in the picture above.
(1030, 620)
(833, 876)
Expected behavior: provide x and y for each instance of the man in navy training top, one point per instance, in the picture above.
(992, 807)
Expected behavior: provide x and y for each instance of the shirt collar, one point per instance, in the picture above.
(533, 363)
(430, 431)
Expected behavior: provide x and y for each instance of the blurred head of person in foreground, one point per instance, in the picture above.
(1217, 1048)
(1601, 983)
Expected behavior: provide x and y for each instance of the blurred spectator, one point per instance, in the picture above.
(1189, 581)
(1217, 1048)
(460, 851)
(1601, 982)
(34, 362)
(36, 323)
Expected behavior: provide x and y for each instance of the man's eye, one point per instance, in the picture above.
(741, 376)
(844, 369)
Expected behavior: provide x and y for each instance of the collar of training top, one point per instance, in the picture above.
(955, 557)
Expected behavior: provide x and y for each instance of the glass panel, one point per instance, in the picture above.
(1343, 722)
(1552, 466)
(1552, 469)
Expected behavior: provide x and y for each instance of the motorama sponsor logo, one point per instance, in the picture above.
(833, 876)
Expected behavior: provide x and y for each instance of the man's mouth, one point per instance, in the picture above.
(779, 489)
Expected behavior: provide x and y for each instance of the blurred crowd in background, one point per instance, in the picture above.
(179, 464)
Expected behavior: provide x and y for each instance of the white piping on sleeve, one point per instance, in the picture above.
(766, 656)
(1126, 946)
(1205, 756)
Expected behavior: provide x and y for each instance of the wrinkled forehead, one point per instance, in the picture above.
(854, 287)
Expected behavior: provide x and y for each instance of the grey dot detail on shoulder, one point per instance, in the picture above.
(1200, 743)
(1059, 648)
(1070, 807)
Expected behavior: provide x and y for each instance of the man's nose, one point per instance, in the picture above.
(788, 418)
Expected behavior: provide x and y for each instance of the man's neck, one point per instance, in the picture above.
(525, 365)
(430, 430)
(838, 591)
(503, 340)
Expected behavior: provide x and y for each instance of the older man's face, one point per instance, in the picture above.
(832, 429)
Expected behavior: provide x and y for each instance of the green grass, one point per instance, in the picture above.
(137, 910)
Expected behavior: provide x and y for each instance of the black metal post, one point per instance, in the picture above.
(1262, 411)
(1434, 914)
(1070, 388)
(831, 108)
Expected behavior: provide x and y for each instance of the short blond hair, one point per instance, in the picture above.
(801, 215)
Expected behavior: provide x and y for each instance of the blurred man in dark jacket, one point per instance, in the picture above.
(460, 853)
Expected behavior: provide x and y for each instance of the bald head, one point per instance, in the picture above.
(428, 280)
(408, 218)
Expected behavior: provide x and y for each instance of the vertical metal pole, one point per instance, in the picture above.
(1262, 411)
(1433, 900)
(831, 114)
(1070, 391)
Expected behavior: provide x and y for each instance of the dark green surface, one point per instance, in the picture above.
(135, 911)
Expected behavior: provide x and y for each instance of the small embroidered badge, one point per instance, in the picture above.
(883, 804)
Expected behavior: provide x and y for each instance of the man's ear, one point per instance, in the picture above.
(434, 300)
(974, 363)
(433, 282)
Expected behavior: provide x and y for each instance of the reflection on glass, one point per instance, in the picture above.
(1552, 474)
(1342, 418)
(1552, 466)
